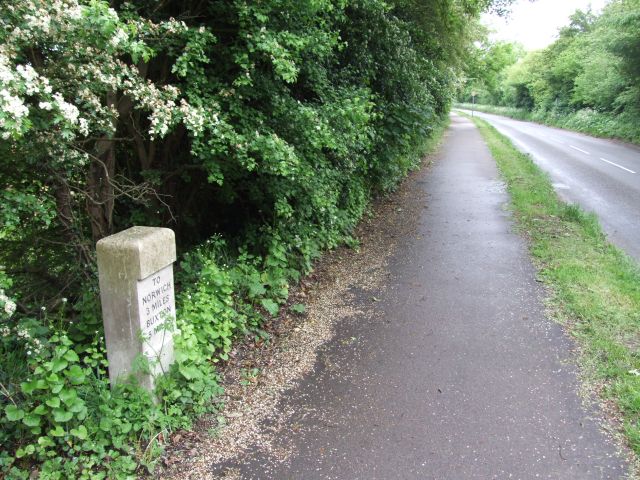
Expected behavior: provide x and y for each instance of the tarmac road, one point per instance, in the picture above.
(602, 176)
(461, 375)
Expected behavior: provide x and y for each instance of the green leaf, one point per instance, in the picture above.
(53, 402)
(270, 306)
(80, 432)
(56, 388)
(31, 420)
(13, 413)
(28, 450)
(75, 374)
(71, 356)
(29, 387)
(58, 431)
(59, 364)
(68, 395)
(39, 410)
(189, 371)
(256, 289)
(76, 405)
(298, 308)
(106, 424)
(61, 415)
(45, 442)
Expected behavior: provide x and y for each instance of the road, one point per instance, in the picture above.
(457, 374)
(602, 176)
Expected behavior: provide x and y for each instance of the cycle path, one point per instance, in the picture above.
(460, 375)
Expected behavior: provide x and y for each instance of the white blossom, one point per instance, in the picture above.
(119, 38)
(69, 111)
(84, 126)
(9, 307)
(13, 105)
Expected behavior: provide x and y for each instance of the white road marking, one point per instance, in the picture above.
(580, 150)
(616, 165)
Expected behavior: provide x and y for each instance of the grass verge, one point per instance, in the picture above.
(594, 286)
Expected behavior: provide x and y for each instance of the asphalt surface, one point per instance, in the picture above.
(461, 375)
(602, 176)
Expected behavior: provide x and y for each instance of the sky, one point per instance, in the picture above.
(535, 24)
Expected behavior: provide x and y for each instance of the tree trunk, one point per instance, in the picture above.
(100, 199)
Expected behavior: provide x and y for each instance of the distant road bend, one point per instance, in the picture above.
(602, 176)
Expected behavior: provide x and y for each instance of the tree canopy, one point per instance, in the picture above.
(591, 68)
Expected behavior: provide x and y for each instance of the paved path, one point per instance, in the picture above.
(603, 176)
(462, 376)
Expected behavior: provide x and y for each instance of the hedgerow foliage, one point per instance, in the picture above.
(587, 80)
(258, 131)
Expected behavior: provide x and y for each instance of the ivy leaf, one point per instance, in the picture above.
(106, 424)
(53, 402)
(45, 442)
(39, 410)
(56, 388)
(270, 306)
(58, 431)
(28, 387)
(13, 413)
(61, 415)
(31, 420)
(189, 371)
(80, 432)
(28, 450)
(256, 289)
(76, 406)
(68, 395)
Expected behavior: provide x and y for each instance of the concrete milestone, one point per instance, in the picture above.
(135, 269)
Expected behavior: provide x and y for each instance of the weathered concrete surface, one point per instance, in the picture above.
(124, 261)
(461, 376)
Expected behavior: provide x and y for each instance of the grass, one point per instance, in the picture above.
(607, 125)
(595, 288)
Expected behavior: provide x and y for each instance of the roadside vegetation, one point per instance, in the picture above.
(257, 131)
(595, 288)
(589, 121)
(587, 80)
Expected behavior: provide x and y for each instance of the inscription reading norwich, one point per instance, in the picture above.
(156, 305)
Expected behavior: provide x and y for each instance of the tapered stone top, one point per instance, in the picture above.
(138, 251)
